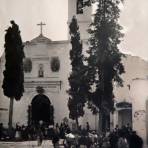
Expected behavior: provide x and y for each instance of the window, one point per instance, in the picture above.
(79, 7)
(27, 65)
(55, 64)
(41, 70)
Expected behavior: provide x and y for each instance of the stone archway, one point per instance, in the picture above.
(41, 110)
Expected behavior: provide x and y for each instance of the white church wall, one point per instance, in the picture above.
(20, 114)
(39, 55)
(4, 105)
(62, 51)
(135, 67)
(4, 101)
(139, 95)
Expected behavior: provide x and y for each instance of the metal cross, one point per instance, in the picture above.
(41, 25)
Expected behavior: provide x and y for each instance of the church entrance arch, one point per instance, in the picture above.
(41, 110)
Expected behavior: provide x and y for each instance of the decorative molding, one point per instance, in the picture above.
(40, 58)
(49, 86)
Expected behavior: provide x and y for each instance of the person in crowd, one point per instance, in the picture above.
(18, 132)
(113, 138)
(87, 127)
(55, 137)
(122, 141)
(107, 132)
(117, 128)
(106, 143)
(24, 133)
(57, 127)
(135, 141)
(62, 131)
(31, 132)
(45, 131)
(129, 128)
(39, 136)
(1, 130)
(79, 130)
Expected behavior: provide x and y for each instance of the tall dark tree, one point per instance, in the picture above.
(13, 73)
(76, 79)
(104, 61)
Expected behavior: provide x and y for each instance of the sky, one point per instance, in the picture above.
(134, 19)
(28, 13)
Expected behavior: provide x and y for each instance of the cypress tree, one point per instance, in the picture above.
(104, 62)
(76, 79)
(13, 73)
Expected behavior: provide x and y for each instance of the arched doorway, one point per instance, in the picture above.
(41, 110)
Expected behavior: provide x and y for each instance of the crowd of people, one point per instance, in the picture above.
(31, 132)
(123, 137)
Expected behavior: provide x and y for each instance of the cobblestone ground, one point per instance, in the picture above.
(27, 144)
(31, 144)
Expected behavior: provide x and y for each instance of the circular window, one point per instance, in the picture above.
(55, 64)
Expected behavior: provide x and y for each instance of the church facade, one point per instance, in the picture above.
(47, 68)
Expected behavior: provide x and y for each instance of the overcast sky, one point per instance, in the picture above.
(27, 13)
(134, 18)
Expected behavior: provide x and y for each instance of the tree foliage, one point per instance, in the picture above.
(76, 79)
(13, 73)
(104, 61)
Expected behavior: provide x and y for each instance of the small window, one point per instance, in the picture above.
(41, 70)
(79, 7)
(55, 64)
(27, 65)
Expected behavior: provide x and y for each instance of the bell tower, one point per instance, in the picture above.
(83, 15)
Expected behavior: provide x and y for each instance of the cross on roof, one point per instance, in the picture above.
(41, 27)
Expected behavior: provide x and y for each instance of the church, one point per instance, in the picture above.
(46, 71)
(46, 68)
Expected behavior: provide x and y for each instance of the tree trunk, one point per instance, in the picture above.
(11, 112)
(104, 122)
(77, 123)
(100, 122)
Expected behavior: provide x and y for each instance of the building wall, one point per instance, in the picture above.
(139, 96)
(135, 67)
(84, 19)
(42, 53)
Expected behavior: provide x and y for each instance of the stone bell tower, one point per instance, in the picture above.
(83, 15)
